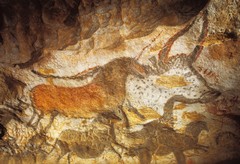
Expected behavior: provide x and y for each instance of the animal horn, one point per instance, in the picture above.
(163, 53)
(154, 62)
(159, 67)
(138, 68)
(198, 49)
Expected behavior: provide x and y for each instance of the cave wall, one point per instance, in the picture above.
(119, 81)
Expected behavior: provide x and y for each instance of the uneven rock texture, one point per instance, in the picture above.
(119, 81)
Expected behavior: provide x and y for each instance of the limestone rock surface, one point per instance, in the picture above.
(119, 81)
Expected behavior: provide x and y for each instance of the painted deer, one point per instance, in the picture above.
(175, 80)
(105, 94)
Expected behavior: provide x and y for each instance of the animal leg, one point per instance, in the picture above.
(123, 116)
(63, 147)
(52, 117)
(154, 62)
(168, 113)
(69, 158)
(35, 114)
(118, 154)
(134, 110)
(145, 156)
(180, 157)
(114, 141)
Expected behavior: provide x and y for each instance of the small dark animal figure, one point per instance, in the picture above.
(162, 141)
(106, 93)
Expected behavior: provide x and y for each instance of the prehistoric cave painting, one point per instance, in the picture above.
(106, 93)
(227, 104)
(228, 139)
(208, 73)
(162, 141)
(90, 144)
(178, 83)
(158, 140)
(123, 81)
(176, 80)
(80, 76)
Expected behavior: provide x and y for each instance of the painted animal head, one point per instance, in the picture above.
(124, 66)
